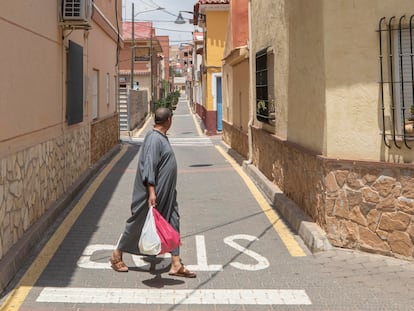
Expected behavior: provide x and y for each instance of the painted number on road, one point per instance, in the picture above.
(85, 261)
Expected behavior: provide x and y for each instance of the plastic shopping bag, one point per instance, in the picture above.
(170, 238)
(149, 242)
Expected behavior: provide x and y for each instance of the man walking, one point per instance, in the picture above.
(155, 185)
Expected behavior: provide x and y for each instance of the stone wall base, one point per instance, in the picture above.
(236, 139)
(138, 107)
(360, 205)
(32, 179)
(104, 136)
(17, 255)
(209, 119)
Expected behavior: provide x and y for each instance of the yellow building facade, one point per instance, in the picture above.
(214, 23)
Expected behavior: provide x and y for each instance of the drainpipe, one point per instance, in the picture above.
(132, 47)
(251, 97)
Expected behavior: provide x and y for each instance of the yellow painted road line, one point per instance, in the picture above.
(282, 230)
(22, 289)
(196, 123)
(143, 127)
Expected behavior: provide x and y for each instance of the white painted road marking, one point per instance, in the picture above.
(85, 261)
(262, 262)
(178, 141)
(202, 264)
(174, 297)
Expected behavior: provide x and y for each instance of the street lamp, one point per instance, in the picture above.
(133, 39)
(180, 20)
(156, 9)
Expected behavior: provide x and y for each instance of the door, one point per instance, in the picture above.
(219, 102)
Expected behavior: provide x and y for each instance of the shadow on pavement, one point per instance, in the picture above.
(61, 268)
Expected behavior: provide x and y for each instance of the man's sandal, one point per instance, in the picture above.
(183, 272)
(118, 265)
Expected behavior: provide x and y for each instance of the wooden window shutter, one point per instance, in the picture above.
(74, 112)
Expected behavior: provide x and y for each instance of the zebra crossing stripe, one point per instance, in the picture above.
(185, 141)
(174, 297)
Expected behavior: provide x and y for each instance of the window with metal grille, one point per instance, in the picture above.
(265, 110)
(262, 98)
(397, 80)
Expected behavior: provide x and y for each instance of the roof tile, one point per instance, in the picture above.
(142, 30)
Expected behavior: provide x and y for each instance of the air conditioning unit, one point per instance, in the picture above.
(76, 11)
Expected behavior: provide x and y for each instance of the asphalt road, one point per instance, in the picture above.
(244, 254)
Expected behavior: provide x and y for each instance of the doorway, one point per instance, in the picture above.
(218, 100)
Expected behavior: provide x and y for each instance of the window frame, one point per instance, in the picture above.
(392, 62)
(403, 74)
(264, 86)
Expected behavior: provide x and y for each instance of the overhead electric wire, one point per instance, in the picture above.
(174, 30)
(149, 4)
(155, 4)
(158, 28)
(149, 20)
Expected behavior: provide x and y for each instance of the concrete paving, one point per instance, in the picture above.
(235, 241)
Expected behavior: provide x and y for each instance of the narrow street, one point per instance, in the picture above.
(245, 256)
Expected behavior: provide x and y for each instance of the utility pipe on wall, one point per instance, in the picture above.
(251, 97)
(132, 46)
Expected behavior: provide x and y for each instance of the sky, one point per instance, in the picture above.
(163, 20)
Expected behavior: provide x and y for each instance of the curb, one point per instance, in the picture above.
(313, 235)
(18, 254)
(136, 130)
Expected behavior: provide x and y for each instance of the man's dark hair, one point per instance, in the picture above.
(161, 115)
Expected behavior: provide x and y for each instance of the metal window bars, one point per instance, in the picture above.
(262, 96)
(401, 92)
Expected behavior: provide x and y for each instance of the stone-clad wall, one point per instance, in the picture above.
(104, 136)
(138, 107)
(371, 207)
(32, 179)
(236, 139)
(360, 205)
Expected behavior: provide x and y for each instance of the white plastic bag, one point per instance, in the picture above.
(149, 242)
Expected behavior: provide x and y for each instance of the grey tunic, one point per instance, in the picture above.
(157, 166)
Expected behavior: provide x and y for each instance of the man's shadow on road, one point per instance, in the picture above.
(157, 281)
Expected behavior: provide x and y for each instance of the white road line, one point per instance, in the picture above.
(184, 141)
(202, 264)
(174, 297)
